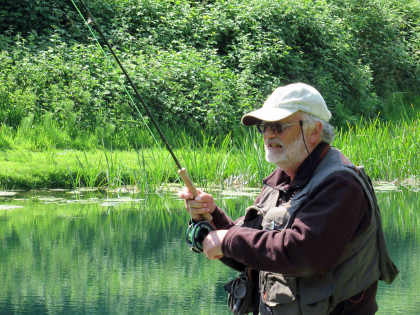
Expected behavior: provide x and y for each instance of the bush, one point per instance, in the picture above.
(200, 64)
(352, 51)
(44, 17)
(386, 35)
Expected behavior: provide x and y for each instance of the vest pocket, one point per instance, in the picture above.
(316, 294)
(277, 289)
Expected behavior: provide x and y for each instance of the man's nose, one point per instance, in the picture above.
(269, 133)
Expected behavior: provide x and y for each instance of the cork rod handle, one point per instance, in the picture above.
(191, 188)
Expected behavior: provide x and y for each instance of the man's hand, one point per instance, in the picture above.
(212, 244)
(202, 204)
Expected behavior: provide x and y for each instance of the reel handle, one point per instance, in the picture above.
(191, 188)
(196, 233)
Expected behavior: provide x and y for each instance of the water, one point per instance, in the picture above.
(96, 253)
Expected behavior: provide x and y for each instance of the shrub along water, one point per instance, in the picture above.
(67, 119)
(200, 64)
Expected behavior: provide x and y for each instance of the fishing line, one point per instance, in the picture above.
(91, 21)
(181, 171)
(107, 57)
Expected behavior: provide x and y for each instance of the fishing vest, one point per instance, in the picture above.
(364, 261)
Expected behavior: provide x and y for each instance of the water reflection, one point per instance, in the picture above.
(401, 220)
(126, 254)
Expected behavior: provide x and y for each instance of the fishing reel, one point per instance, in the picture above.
(196, 233)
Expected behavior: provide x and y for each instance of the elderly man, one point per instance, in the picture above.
(314, 233)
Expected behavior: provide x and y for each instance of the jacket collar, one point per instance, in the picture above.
(281, 181)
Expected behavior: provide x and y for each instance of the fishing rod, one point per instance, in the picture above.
(181, 170)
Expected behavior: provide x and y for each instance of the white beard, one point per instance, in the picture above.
(288, 157)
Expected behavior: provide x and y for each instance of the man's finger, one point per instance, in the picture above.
(185, 195)
(197, 204)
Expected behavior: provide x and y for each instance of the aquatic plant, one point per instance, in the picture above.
(388, 150)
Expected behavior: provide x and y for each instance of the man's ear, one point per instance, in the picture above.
(315, 136)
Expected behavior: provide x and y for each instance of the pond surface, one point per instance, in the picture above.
(67, 252)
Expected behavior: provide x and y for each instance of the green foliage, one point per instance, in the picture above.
(386, 33)
(26, 16)
(190, 87)
(44, 17)
(386, 149)
(200, 65)
(226, 161)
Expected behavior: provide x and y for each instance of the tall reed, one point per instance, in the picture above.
(388, 150)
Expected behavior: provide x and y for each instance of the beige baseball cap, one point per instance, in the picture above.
(287, 100)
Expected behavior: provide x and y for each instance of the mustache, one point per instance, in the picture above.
(270, 142)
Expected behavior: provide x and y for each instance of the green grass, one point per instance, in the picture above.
(388, 150)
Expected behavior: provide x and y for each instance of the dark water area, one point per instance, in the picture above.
(97, 253)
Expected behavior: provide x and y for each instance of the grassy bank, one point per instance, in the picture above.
(388, 150)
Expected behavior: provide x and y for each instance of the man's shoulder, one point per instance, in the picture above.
(338, 156)
(336, 170)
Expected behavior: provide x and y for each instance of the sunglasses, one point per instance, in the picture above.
(275, 127)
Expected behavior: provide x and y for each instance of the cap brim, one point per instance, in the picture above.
(266, 114)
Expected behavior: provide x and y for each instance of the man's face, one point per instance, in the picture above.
(285, 149)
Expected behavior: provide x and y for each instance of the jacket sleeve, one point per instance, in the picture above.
(323, 226)
(222, 221)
